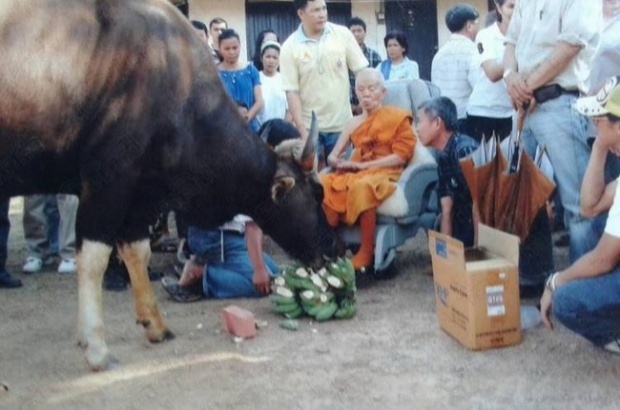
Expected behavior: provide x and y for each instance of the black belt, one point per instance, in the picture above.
(551, 92)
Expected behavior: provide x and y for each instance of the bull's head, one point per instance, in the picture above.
(297, 221)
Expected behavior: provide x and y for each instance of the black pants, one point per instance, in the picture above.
(487, 126)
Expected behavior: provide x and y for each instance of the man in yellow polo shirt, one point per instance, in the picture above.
(315, 63)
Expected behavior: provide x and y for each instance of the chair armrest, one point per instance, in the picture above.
(417, 181)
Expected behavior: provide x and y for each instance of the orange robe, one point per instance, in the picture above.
(386, 132)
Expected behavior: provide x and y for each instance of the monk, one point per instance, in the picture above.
(384, 140)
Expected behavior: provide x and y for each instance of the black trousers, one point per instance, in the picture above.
(477, 127)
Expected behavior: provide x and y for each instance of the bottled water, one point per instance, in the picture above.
(530, 317)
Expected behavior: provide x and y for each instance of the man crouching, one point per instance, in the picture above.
(586, 296)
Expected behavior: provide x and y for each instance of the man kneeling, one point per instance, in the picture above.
(227, 263)
(384, 141)
(586, 296)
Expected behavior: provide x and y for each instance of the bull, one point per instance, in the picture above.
(119, 102)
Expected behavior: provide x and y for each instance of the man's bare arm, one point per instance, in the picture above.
(294, 108)
(563, 53)
(446, 215)
(596, 197)
(518, 90)
(598, 261)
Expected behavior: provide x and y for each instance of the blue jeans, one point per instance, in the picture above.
(591, 307)
(555, 125)
(5, 226)
(227, 275)
(327, 140)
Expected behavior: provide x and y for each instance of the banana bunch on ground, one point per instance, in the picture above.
(323, 295)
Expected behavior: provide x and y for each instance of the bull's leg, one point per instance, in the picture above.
(92, 260)
(136, 256)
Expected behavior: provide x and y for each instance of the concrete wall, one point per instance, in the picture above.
(233, 11)
(375, 32)
(444, 5)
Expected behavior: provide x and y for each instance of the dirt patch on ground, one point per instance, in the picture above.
(392, 355)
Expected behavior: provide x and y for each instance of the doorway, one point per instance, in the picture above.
(418, 20)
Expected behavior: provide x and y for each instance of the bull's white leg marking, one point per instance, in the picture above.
(92, 260)
(136, 256)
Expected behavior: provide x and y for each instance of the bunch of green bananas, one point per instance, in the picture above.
(323, 295)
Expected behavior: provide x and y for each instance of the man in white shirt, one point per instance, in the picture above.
(453, 69)
(586, 296)
(549, 49)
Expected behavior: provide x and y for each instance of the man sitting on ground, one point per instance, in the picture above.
(437, 127)
(384, 142)
(586, 296)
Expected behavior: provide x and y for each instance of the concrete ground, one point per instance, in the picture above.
(392, 355)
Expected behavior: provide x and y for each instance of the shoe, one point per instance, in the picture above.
(32, 265)
(154, 276)
(182, 294)
(67, 266)
(613, 346)
(8, 281)
(115, 278)
(563, 241)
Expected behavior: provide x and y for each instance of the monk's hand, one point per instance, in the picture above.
(545, 308)
(334, 161)
(351, 166)
(261, 281)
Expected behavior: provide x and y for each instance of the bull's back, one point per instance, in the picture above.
(85, 79)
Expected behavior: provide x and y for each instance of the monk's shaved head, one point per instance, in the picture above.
(370, 75)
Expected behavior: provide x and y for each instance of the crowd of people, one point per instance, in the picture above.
(556, 64)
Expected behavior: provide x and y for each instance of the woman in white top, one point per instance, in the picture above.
(397, 66)
(489, 110)
(271, 81)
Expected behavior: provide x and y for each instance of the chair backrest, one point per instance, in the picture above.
(398, 95)
(409, 94)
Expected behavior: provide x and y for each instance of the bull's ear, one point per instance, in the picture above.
(281, 186)
(308, 155)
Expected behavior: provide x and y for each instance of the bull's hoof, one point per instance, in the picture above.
(160, 336)
(99, 364)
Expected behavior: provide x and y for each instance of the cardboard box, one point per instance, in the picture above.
(477, 290)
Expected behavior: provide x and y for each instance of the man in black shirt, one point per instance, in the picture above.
(437, 128)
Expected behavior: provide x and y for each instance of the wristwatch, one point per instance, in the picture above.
(550, 283)
(507, 73)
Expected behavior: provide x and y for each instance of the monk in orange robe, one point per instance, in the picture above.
(384, 140)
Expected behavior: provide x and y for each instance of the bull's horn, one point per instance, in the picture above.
(265, 132)
(308, 155)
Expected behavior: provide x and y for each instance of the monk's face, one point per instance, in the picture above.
(370, 92)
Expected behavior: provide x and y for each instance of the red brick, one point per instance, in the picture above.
(238, 322)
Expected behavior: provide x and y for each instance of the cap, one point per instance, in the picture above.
(269, 43)
(606, 101)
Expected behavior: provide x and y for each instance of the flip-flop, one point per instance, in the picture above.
(182, 294)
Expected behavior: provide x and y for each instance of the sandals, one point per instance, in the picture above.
(164, 245)
(182, 294)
